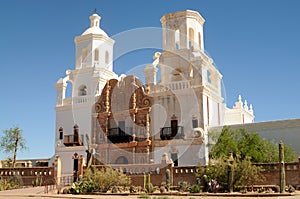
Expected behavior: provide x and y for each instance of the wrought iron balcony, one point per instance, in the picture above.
(117, 135)
(72, 140)
(167, 133)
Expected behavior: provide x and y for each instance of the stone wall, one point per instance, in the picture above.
(271, 172)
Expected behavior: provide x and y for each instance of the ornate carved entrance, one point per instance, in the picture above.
(122, 121)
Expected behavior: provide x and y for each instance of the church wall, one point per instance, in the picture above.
(67, 157)
(188, 154)
(68, 118)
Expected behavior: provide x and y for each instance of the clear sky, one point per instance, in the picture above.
(254, 43)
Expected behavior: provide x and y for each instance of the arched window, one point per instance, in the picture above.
(191, 37)
(199, 40)
(82, 90)
(84, 54)
(61, 133)
(96, 55)
(106, 57)
(76, 133)
(208, 76)
(177, 74)
(69, 90)
(191, 71)
(177, 39)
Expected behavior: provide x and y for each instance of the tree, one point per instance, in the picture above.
(12, 141)
(245, 173)
(244, 144)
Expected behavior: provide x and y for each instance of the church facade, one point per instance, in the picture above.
(127, 120)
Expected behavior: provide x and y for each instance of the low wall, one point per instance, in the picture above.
(136, 172)
(28, 176)
(187, 174)
(272, 173)
(158, 173)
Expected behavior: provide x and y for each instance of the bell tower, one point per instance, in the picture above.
(74, 109)
(183, 30)
(94, 48)
(182, 41)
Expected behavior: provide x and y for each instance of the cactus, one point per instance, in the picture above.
(168, 180)
(145, 182)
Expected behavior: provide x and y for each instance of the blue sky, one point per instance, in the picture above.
(254, 43)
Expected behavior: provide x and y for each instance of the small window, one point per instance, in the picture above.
(195, 123)
(61, 133)
(177, 39)
(199, 40)
(82, 91)
(76, 133)
(96, 55)
(191, 37)
(177, 74)
(106, 57)
(84, 54)
(208, 76)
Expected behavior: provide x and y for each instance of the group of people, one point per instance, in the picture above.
(210, 186)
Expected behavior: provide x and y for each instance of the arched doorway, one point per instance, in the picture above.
(121, 160)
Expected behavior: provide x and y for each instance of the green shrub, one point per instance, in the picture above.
(102, 180)
(183, 186)
(194, 189)
(7, 184)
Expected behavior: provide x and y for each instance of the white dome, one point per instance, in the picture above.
(94, 30)
(95, 26)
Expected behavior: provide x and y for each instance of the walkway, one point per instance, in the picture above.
(38, 193)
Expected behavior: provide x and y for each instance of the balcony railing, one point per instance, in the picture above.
(118, 135)
(167, 133)
(71, 140)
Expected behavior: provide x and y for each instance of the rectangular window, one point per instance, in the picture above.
(195, 123)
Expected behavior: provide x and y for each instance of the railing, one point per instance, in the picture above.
(80, 100)
(167, 133)
(117, 135)
(72, 140)
(177, 85)
(56, 184)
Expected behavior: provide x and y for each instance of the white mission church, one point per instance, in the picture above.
(125, 121)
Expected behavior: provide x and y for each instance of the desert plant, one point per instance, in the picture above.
(102, 180)
(7, 184)
(168, 179)
(195, 189)
(183, 186)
